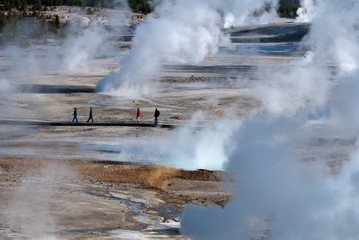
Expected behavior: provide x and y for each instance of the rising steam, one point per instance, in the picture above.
(277, 195)
(306, 11)
(178, 31)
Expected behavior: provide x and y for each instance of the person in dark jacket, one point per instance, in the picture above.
(138, 115)
(75, 115)
(90, 115)
(156, 115)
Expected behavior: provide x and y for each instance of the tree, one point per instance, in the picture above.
(140, 6)
(3, 20)
(288, 8)
(56, 22)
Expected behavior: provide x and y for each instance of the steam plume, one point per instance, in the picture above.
(277, 195)
(178, 31)
(305, 11)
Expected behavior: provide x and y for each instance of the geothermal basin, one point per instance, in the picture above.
(120, 179)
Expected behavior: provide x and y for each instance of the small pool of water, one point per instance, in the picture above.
(139, 209)
(246, 48)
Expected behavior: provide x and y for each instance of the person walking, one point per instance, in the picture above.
(156, 115)
(75, 116)
(138, 115)
(90, 116)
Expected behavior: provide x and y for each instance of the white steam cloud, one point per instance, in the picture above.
(71, 54)
(81, 48)
(276, 194)
(178, 31)
(30, 206)
(304, 84)
(191, 148)
(247, 12)
(306, 11)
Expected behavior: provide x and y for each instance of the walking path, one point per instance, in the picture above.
(122, 123)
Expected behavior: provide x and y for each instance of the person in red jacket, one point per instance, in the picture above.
(138, 116)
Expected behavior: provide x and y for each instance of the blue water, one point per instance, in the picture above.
(321, 113)
(136, 208)
(246, 48)
(286, 47)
